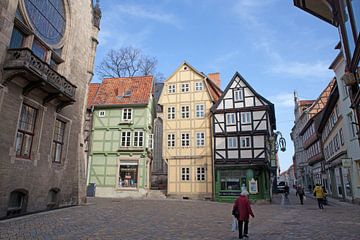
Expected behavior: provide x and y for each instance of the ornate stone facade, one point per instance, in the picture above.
(46, 63)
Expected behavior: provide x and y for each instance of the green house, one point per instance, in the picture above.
(121, 136)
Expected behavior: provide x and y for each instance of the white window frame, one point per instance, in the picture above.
(185, 174)
(238, 95)
(232, 142)
(172, 88)
(230, 119)
(127, 142)
(102, 113)
(185, 87)
(201, 174)
(151, 141)
(245, 142)
(138, 139)
(185, 139)
(171, 113)
(171, 142)
(245, 117)
(125, 114)
(351, 125)
(199, 86)
(200, 110)
(200, 139)
(185, 111)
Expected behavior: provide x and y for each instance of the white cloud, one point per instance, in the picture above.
(301, 69)
(283, 100)
(139, 11)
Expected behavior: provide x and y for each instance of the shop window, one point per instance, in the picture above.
(17, 202)
(128, 175)
(233, 180)
(58, 141)
(185, 174)
(17, 38)
(25, 132)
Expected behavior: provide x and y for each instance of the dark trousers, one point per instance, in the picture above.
(240, 225)
(320, 203)
(301, 199)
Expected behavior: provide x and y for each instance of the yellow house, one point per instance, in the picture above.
(186, 100)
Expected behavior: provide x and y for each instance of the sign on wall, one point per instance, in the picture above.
(253, 186)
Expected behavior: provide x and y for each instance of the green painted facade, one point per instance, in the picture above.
(240, 174)
(107, 154)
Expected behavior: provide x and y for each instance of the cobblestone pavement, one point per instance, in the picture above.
(186, 219)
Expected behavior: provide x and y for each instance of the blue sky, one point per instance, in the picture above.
(275, 46)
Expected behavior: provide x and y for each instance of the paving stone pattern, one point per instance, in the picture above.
(186, 219)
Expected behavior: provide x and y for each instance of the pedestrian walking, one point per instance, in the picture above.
(319, 195)
(243, 208)
(286, 190)
(300, 191)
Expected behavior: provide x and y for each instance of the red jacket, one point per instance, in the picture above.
(244, 208)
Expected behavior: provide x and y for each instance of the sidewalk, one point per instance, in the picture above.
(333, 201)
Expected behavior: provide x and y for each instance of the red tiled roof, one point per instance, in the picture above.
(306, 102)
(214, 90)
(129, 90)
(93, 88)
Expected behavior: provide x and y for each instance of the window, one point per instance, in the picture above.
(138, 138)
(26, 130)
(199, 86)
(200, 139)
(127, 114)
(101, 113)
(128, 175)
(230, 118)
(238, 94)
(125, 139)
(185, 139)
(17, 202)
(352, 126)
(232, 142)
(48, 19)
(39, 50)
(17, 38)
(245, 142)
(58, 140)
(200, 110)
(53, 195)
(185, 111)
(171, 140)
(184, 87)
(341, 136)
(200, 174)
(185, 174)
(151, 141)
(171, 112)
(172, 88)
(245, 117)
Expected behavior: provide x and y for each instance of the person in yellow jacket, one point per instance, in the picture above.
(319, 195)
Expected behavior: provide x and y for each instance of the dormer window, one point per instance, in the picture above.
(127, 114)
(127, 93)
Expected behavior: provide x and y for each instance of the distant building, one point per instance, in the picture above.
(122, 136)
(243, 122)
(186, 100)
(47, 51)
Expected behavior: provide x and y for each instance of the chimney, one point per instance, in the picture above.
(215, 77)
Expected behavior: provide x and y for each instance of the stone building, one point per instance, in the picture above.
(47, 51)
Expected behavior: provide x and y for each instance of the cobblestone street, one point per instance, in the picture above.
(186, 219)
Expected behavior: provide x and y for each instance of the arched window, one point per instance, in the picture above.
(17, 202)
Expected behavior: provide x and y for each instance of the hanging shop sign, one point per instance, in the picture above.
(253, 186)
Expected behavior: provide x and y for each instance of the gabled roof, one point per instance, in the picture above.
(124, 91)
(271, 105)
(93, 89)
(213, 89)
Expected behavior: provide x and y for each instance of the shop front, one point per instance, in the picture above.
(230, 181)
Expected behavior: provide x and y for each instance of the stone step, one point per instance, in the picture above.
(156, 194)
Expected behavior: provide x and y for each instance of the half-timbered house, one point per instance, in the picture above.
(243, 122)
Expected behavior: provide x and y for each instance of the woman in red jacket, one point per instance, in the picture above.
(243, 208)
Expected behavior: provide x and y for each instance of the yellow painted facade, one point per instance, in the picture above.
(187, 163)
